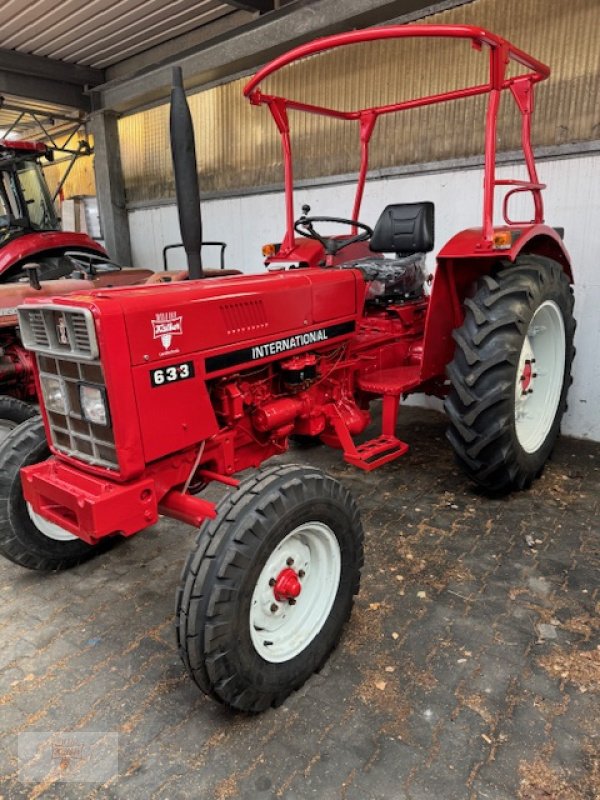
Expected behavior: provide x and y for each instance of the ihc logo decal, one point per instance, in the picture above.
(62, 330)
(166, 325)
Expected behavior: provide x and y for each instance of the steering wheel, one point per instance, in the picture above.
(304, 226)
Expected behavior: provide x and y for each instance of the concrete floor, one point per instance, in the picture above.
(470, 667)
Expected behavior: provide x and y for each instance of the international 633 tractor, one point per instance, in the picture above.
(244, 362)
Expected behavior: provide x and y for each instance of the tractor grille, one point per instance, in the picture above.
(66, 348)
(55, 329)
(38, 330)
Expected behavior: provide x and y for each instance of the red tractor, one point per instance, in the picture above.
(34, 252)
(245, 362)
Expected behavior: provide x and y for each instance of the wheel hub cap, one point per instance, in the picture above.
(287, 586)
(526, 377)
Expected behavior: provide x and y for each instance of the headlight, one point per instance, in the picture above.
(54, 395)
(93, 404)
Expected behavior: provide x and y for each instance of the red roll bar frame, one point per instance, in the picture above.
(501, 53)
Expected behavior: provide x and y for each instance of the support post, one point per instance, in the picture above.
(110, 186)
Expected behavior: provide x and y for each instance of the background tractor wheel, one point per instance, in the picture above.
(12, 413)
(511, 372)
(269, 585)
(26, 538)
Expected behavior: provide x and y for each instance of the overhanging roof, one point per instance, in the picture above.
(88, 55)
(54, 51)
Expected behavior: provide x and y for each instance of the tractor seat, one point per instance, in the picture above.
(405, 229)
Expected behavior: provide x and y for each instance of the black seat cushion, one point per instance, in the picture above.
(404, 228)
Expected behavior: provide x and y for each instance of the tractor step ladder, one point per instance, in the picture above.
(390, 384)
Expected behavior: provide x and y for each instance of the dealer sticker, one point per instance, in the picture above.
(165, 326)
(162, 376)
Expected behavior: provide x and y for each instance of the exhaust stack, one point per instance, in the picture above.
(185, 169)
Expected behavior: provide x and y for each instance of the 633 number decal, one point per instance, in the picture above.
(176, 372)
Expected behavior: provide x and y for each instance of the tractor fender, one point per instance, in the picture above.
(35, 245)
(537, 239)
(460, 263)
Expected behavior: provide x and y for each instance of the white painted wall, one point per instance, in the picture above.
(572, 200)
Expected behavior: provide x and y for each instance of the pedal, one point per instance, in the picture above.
(375, 452)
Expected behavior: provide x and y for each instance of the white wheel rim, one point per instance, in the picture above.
(280, 630)
(540, 376)
(48, 528)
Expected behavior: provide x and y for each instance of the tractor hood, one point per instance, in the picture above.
(217, 315)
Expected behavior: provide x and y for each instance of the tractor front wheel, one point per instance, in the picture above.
(25, 537)
(511, 373)
(268, 587)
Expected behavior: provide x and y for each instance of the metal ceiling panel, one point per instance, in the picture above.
(97, 33)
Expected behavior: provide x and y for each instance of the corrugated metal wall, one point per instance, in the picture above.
(238, 146)
(81, 179)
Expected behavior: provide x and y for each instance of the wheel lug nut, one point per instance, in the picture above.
(274, 607)
(289, 562)
(272, 582)
(529, 391)
(292, 601)
(301, 573)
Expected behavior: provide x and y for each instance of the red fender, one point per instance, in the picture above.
(462, 260)
(31, 245)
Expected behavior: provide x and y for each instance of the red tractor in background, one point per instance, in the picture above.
(33, 252)
(245, 362)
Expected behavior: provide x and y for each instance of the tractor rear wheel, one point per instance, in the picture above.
(25, 537)
(511, 373)
(268, 587)
(12, 413)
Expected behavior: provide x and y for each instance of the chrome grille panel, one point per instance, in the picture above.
(37, 328)
(59, 330)
(81, 337)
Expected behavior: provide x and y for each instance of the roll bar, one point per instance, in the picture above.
(501, 52)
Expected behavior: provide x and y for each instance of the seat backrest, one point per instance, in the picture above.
(404, 228)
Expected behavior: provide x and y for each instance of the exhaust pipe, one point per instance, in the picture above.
(185, 169)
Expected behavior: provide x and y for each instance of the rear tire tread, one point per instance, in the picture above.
(480, 406)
